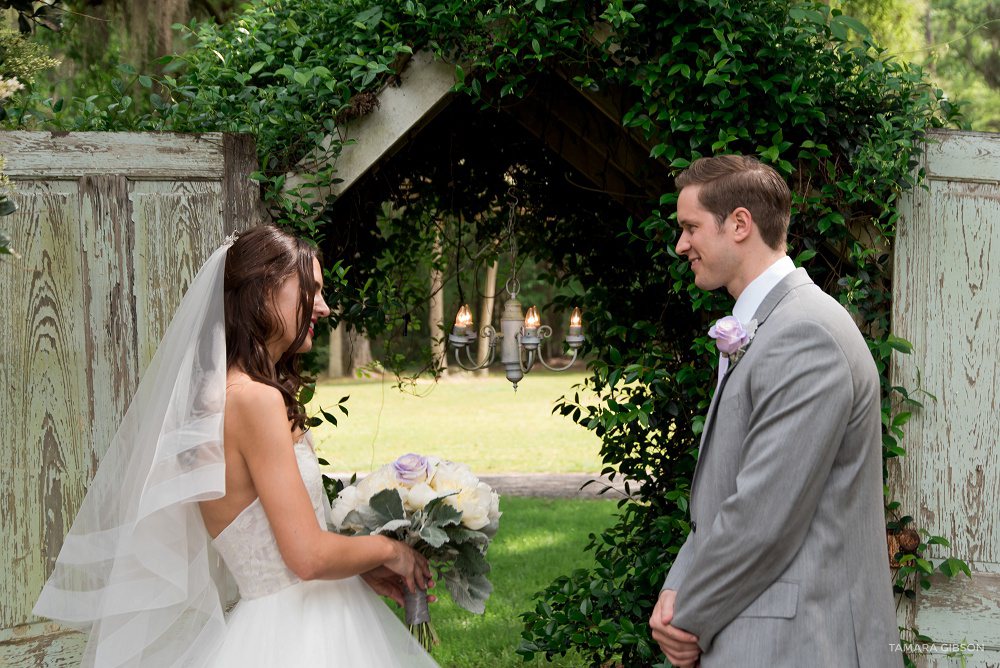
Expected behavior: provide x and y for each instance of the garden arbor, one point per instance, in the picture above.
(948, 240)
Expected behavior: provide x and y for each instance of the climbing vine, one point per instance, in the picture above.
(798, 85)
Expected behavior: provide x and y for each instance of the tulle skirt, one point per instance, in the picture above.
(315, 624)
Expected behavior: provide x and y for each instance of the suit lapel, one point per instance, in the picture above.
(797, 278)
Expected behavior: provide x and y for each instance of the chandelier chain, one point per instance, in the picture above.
(513, 201)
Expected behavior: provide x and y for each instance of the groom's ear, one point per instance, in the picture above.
(743, 224)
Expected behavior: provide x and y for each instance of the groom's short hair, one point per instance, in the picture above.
(732, 181)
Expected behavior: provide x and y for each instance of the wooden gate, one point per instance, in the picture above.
(946, 301)
(110, 229)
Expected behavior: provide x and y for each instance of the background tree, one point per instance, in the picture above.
(958, 41)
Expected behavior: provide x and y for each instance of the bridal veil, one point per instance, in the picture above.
(136, 570)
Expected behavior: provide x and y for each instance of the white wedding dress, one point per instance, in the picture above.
(284, 621)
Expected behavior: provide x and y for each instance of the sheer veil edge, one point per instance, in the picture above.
(137, 570)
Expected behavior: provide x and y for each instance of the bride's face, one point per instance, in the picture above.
(286, 307)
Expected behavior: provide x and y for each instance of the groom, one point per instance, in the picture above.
(786, 563)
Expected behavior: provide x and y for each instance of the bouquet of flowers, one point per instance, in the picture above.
(443, 511)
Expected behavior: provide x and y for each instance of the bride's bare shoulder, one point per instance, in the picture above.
(252, 405)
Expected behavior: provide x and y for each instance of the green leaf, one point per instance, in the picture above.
(387, 505)
(328, 417)
(952, 567)
(257, 67)
(126, 68)
(433, 536)
(854, 24)
(444, 514)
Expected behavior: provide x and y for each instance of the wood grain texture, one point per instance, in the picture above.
(47, 458)
(240, 194)
(963, 156)
(70, 155)
(177, 226)
(947, 303)
(106, 255)
(40, 645)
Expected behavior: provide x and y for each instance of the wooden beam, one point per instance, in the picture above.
(424, 89)
(71, 155)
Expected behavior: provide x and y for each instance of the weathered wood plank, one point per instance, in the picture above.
(949, 264)
(177, 226)
(46, 459)
(963, 156)
(109, 288)
(960, 609)
(240, 194)
(40, 645)
(71, 155)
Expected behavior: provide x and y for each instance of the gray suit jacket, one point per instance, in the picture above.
(786, 563)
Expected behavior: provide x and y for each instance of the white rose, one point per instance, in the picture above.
(375, 482)
(420, 495)
(475, 503)
(345, 502)
(494, 512)
(450, 477)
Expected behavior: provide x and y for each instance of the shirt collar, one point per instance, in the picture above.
(754, 294)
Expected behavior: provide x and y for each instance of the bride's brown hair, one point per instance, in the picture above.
(256, 264)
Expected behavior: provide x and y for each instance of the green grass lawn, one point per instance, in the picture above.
(539, 540)
(481, 422)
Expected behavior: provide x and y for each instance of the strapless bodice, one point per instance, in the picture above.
(248, 545)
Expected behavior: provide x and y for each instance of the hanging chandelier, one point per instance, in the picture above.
(520, 335)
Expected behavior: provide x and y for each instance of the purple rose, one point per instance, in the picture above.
(410, 469)
(730, 335)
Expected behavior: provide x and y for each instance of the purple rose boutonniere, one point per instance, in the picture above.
(731, 337)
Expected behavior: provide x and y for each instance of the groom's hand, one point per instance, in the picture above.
(680, 647)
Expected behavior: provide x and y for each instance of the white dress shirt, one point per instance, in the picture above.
(752, 296)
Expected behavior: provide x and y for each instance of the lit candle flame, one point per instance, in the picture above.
(531, 320)
(464, 317)
(575, 320)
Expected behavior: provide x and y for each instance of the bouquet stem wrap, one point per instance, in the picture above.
(418, 618)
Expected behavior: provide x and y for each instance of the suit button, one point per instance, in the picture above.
(694, 526)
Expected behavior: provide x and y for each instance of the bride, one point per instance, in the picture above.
(212, 478)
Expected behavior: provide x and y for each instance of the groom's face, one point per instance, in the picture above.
(709, 249)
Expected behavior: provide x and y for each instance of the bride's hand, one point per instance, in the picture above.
(410, 565)
(386, 583)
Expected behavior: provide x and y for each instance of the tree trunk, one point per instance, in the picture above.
(361, 351)
(486, 314)
(439, 353)
(929, 36)
(335, 364)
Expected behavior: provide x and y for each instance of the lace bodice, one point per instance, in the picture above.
(248, 545)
